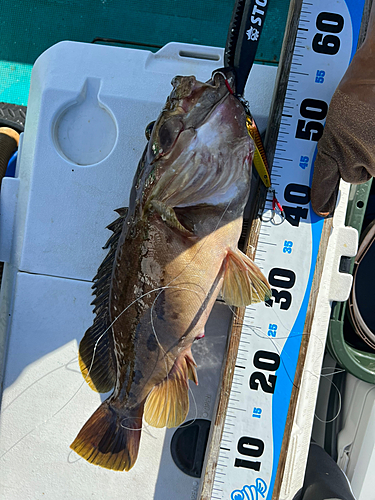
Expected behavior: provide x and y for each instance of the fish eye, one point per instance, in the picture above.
(148, 130)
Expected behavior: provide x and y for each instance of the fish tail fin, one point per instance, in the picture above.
(110, 437)
(244, 283)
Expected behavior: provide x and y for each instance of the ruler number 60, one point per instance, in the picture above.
(328, 22)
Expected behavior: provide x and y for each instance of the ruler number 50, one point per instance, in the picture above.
(322, 43)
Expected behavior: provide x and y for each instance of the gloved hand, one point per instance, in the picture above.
(347, 146)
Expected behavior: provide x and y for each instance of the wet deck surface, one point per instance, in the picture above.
(29, 28)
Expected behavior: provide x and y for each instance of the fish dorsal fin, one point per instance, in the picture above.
(167, 404)
(96, 355)
(244, 283)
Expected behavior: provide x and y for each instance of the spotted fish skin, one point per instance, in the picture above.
(170, 255)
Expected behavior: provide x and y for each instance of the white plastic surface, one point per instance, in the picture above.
(356, 441)
(119, 91)
(334, 286)
(46, 401)
(60, 218)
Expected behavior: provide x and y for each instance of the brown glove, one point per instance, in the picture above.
(347, 146)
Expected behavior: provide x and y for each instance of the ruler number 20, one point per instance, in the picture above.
(250, 446)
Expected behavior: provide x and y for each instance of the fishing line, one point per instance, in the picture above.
(326, 375)
(321, 375)
(45, 421)
(156, 336)
(144, 426)
(77, 459)
(273, 340)
(339, 398)
(38, 380)
(205, 242)
(161, 289)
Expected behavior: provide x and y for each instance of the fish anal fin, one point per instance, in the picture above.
(109, 438)
(169, 217)
(244, 283)
(167, 405)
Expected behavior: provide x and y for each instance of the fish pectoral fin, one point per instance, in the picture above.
(244, 283)
(167, 405)
(110, 437)
(192, 371)
(169, 217)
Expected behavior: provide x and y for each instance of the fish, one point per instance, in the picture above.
(172, 251)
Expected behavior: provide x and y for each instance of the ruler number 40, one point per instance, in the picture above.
(297, 194)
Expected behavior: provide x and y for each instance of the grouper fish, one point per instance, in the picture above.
(171, 253)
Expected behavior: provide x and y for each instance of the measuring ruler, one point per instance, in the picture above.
(287, 252)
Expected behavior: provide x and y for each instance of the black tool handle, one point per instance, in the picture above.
(243, 36)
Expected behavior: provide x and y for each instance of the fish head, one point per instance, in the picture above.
(190, 104)
(199, 149)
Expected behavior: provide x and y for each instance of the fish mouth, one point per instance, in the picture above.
(190, 104)
(229, 78)
(167, 152)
